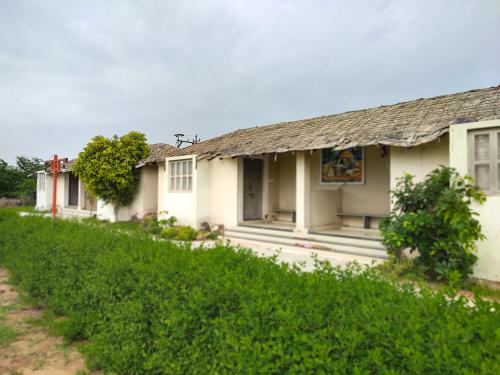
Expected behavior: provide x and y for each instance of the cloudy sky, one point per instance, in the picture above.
(70, 70)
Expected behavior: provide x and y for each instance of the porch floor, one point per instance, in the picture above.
(276, 225)
(350, 232)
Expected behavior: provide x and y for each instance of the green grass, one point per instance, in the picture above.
(152, 307)
(7, 334)
(21, 209)
(131, 226)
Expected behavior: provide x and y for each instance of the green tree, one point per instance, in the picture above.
(435, 217)
(9, 178)
(107, 167)
(28, 168)
(19, 181)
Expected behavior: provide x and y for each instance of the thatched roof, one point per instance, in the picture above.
(404, 124)
(158, 153)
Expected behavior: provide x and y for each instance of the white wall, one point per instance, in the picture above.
(223, 191)
(419, 160)
(370, 197)
(488, 265)
(373, 195)
(107, 212)
(279, 180)
(213, 199)
(43, 196)
(161, 189)
(287, 180)
(146, 199)
(182, 205)
(144, 202)
(203, 191)
(62, 191)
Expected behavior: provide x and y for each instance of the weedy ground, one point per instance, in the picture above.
(26, 344)
(407, 271)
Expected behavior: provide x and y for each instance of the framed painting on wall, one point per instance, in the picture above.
(342, 166)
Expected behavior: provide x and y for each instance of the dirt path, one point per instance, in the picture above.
(25, 347)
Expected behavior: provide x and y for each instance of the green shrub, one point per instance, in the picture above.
(180, 233)
(434, 217)
(203, 234)
(169, 222)
(151, 226)
(152, 307)
(212, 235)
(107, 166)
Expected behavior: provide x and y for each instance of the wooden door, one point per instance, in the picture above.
(72, 190)
(252, 189)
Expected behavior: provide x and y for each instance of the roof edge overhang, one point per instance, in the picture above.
(414, 140)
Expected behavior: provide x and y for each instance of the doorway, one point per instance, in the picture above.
(72, 190)
(252, 188)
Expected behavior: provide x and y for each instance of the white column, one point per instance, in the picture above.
(81, 197)
(303, 192)
(265, 188)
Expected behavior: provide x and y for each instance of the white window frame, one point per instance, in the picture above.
(494, 157)
(180, 175)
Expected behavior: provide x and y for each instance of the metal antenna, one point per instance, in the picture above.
(179, 140)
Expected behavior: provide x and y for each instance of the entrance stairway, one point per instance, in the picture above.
(352, 245)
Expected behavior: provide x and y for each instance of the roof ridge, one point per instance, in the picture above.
(372, 108)
(391, 124)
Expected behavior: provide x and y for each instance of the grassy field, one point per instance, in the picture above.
(152, 307)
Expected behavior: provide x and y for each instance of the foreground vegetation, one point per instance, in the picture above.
(148, 306)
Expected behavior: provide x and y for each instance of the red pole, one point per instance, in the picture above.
(55, 170)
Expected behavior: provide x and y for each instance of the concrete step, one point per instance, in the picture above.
(343, 248)
(368, 243)
(68, 212)
(293, 254)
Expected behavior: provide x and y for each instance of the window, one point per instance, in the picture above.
(181, 175)
(42, 178)
(484, 159)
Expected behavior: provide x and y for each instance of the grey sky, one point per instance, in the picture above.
(72, 69)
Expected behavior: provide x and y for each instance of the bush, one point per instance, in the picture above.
(151, 307)
(180, 233)
(151, 226)
(434, 217)
(107, 166)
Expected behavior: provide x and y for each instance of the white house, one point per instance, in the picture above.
(326, 181)
(74, 201)
(323, 182)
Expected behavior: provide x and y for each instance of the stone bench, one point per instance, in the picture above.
(291, 211)
(366, 217)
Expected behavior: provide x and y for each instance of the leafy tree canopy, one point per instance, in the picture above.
(107, 166)
(435, 217)
(29, 166)
(19, 181)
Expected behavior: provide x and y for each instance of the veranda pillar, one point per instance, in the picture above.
(303, 192)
